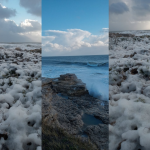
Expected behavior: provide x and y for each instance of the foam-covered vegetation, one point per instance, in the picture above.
(129, 104)
(20, 100)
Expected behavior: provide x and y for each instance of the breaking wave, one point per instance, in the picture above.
(89, 64)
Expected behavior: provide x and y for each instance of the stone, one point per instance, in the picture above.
(134, 71)
(66, 111)
(18, 48)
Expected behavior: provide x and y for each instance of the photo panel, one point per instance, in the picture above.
(129, 75)
(20, 75)
(75, 74)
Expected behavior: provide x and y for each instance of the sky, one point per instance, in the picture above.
(129, 15)
(75, 27)
(20, 20)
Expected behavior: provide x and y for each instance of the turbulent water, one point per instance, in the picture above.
(92, 70)
(23, 46)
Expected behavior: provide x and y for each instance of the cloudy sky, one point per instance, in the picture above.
(20, 20)
(75, 27)
(129, 15)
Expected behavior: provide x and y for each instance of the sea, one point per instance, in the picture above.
(93, 70)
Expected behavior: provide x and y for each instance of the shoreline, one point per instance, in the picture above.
(66, 103)
(91, 70)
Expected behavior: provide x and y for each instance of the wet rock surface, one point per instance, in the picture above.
(66, 100)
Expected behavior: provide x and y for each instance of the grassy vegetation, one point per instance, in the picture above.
(57, 139)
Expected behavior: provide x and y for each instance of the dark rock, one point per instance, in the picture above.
(125, 69)
(120, 35)
(36, 50)
(126, 56)
(66, 113)
(18, 48)
(29, 45)
(98, 135)
(5, 136)
(134, 71)
(102, 116)
(69, 84)
(133, 54)
(4, 147)
(119, 145)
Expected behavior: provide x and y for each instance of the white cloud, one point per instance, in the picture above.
(105, 29)
(30, 25)
(74, 42)
(27, 31)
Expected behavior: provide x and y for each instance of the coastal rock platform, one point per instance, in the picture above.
(68, 105)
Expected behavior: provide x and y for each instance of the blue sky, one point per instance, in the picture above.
(22, 14)
(75, 27)
(89, 15)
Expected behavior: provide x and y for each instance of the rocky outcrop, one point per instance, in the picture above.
(69, 85)
(98, 135)
(66, 100)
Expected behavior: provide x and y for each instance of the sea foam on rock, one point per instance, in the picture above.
(20, 100)
(129, 100)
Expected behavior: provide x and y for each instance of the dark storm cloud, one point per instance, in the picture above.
(118, 8)
(141, 7)
(32, 6)
(136, 18)
(6, 12)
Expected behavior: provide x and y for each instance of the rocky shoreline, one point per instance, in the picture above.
(68, 105)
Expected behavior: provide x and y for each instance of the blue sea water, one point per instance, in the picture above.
(92, 70)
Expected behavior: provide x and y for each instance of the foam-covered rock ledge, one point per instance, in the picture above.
(65, 101)
(20, 100)
(129, 80)
(69, 85)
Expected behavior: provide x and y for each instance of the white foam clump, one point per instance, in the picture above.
(129, 105)
(20, 100)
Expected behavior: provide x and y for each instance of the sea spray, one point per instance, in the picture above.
(92, 70)
(97, 89)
